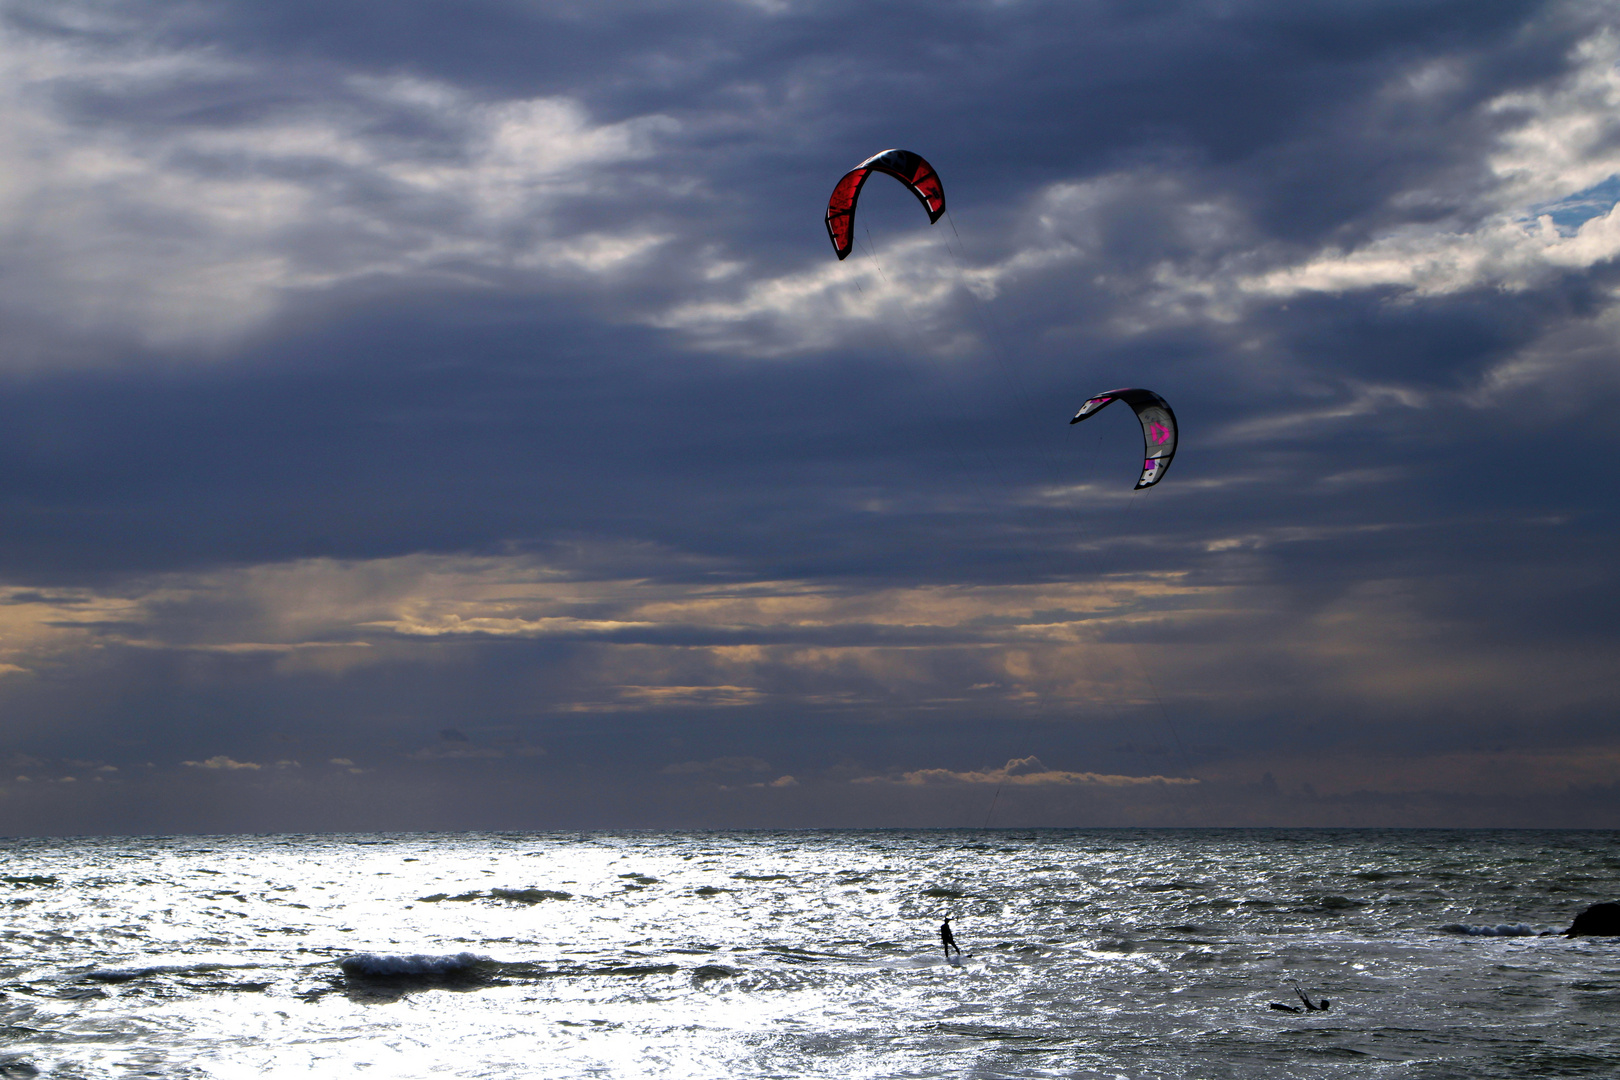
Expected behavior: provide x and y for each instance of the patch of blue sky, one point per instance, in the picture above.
(1573, 211)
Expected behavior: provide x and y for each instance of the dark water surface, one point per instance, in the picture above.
(1092, 953)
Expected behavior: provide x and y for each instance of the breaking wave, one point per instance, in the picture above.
(373, 966)
(1499, 930)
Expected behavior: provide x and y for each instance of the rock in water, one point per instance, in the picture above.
(1599, 920)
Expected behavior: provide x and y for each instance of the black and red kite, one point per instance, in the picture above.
(908, 168)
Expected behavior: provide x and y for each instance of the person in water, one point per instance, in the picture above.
(948, 939)
(1310, 1006)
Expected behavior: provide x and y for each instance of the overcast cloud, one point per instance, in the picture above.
(453, 415)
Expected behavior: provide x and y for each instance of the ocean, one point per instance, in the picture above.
(1087, 953)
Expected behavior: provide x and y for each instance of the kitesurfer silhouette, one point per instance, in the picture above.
(948, 939)
(1310, 1006)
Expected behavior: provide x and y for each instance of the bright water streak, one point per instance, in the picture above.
(1107, 953)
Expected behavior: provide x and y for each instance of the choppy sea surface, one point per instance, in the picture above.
(1089, 953)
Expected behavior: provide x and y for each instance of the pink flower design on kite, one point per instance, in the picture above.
(1159, 433)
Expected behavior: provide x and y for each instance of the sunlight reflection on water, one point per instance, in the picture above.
(1091, 953)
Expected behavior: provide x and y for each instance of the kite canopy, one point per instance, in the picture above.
(1158, 428)
(908, 168)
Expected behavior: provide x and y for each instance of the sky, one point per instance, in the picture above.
(453, 415)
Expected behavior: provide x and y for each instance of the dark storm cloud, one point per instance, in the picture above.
(382, 374)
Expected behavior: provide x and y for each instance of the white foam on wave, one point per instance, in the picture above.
(1499, 930)
(373, 966)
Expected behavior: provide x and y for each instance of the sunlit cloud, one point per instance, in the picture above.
(1212, 263)
(929, 297)
(1025, 772)
(38, 627)
(1363, 400)
(220, 761)
(1561, 145)
(829, 302)
(1565, 140)
(194, 234)
(642, 644)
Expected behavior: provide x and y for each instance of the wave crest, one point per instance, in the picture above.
(1499, 930)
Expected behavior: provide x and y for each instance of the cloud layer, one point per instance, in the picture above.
(469, 405)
